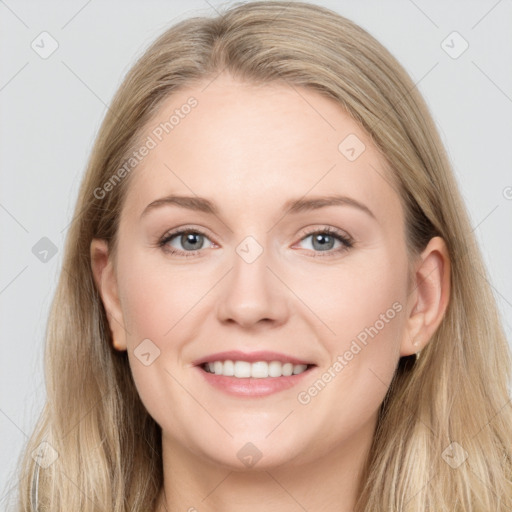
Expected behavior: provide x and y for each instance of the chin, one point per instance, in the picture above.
(241, 454)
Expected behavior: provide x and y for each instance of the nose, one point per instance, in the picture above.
(252, 295)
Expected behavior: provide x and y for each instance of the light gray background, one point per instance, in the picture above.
(51, 109)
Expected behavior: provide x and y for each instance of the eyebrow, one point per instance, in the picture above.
(300, 205)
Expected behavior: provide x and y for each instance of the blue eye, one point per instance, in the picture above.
(191, 241)
(324, 240)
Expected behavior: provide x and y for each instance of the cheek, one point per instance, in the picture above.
(156, 296)
(361, 307)
(161, 303)
(157, 306)
(348, 300)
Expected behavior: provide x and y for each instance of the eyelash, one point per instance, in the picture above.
(343, 238)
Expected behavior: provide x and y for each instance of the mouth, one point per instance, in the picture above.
(254, 370)
(253, 375)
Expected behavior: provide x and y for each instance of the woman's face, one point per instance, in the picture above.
(265, 171)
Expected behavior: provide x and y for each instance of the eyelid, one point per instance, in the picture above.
(307, 231)
(185, 229)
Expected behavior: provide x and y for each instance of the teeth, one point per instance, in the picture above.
(228, 368)
(257, 370)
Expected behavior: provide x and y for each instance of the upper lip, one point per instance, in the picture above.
(251, 357)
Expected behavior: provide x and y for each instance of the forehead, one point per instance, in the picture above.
(247, 145)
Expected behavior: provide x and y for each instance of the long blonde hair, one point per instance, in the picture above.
(107, 449)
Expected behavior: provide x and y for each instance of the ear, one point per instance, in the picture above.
(106, 282)
(429, 297)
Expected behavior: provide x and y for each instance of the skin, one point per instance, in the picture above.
(249, 149)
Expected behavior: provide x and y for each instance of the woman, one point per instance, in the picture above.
(271, 294)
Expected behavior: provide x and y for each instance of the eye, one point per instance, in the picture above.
(189, 242)
(186, 242)
(325, 240)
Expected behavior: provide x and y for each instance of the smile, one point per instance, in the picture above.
(256, 370)
(243, 379)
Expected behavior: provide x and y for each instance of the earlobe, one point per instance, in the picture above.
(429, 298)
(106, 283)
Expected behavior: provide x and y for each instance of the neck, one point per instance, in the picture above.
(329, 481)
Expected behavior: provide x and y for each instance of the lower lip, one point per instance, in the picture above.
(250, 387)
